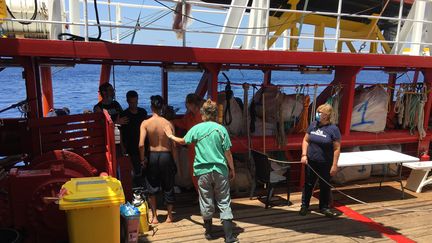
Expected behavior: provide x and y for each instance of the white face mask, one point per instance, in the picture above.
(318, 116)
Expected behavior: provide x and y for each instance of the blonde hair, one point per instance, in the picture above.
(209, 110)
(327, 109)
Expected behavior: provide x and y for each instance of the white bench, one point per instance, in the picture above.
(419, 175)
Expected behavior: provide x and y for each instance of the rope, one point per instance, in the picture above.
(252, 110)
(399, 106)
(312, 118)
(280, 131)
(245, 110)
(246, 119)
(363, 202)
(414, 107)
(344, 194)
(407, 105)
(228, 96)
(302, 125)
(420, 119)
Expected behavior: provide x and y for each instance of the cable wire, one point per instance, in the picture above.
(33, 17)
(344, 194)
(220, 25)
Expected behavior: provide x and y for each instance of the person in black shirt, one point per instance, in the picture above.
(108, 103)
(130, 132)
(320, 151)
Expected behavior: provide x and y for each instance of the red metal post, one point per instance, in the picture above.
(213, 80)
(423, 145)
(202, 87)
(104, 76)
(33, 87)
(47, 91)
(427, 73)
(391, 85)
(164, 77)
(347, 77)
(111, 147)
(267, 77)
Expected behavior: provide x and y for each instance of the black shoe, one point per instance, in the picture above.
(329, 213)
(208, 229)
(303, 211)
(228, 230)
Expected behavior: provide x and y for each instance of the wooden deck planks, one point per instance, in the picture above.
(283, 224)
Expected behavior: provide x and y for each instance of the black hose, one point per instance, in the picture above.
(33, 17)
(81, 38)
(252, 111)
(228, 95)
(97, 19)
(14, 106)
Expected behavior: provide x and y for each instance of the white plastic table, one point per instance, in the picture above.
(376, 157)
(418, 177)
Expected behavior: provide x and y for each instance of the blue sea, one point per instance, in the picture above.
(76, 87)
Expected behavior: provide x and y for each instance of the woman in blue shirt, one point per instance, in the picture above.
(320, 151)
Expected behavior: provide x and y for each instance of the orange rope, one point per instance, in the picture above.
(303, 124)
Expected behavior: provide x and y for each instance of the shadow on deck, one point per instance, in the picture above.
(281, 223)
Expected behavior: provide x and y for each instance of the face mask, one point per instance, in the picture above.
(318, 116)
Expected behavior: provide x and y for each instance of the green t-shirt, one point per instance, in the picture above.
(211, 141)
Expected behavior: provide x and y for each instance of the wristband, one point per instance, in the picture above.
(303, 155)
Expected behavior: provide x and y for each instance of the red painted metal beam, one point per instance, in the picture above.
(202, 87)
(347, 77)
(99, 50)
(267, 77)
(428, 106)
(391, 85)
(213, 70)
(33, 86)
(47, 90)
(354, 139)
(424, 145)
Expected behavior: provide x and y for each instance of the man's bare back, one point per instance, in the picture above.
(153, 128)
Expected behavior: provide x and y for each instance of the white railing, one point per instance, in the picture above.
(151, 23)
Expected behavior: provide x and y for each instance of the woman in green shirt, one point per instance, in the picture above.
(214, 167)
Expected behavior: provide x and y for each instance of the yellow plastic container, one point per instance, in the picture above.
(92, 207)
(3, 13)
(144, 227)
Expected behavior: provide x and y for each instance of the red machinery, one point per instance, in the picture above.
(59, 148)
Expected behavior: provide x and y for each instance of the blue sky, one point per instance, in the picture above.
(130, 15)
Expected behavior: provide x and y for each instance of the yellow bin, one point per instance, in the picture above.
(92, 207)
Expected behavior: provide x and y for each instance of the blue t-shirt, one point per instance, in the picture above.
(321, 140)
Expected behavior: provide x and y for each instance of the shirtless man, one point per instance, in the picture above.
(160, 167)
